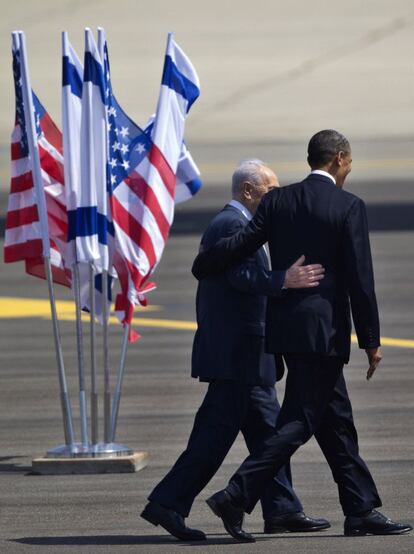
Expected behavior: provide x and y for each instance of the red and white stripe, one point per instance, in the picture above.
(142, 212)
(23, 235)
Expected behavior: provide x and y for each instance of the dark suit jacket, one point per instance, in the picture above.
(231, 309)
(329, 226)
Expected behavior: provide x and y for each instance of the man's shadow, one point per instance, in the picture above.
(123, 540)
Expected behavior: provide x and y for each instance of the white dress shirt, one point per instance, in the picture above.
(324, 173)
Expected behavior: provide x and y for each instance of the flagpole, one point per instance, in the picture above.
(107, 390)
(105, 304)
(81, 361)
(118, 389)
(92, 329)
(20, 40)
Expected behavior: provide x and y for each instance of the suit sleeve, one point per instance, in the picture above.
(360, 277)
(251, 278)
(229, 251)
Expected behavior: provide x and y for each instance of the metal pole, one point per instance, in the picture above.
(92, 327)
(107, 390)
(64, 393)
(118, 388)
(20, 41)
(105, 307)
(81, 361)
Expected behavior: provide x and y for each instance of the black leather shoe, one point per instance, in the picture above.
(296, 522)
(373, 523)
(222, 505)
(171, 521)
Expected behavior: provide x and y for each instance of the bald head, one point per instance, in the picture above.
(251, 180)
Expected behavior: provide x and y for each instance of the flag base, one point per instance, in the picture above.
(109, 463)
(78, 450)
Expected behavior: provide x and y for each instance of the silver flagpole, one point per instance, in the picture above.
(118, 388)
(94, 390)
(19, 40)
(81, 361)
(107, 390)
(105, 307)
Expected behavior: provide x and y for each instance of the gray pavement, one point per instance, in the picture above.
(272, 73)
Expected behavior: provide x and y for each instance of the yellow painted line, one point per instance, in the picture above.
(403, 343)
(12, 308)
(177, 324)
(166, 323)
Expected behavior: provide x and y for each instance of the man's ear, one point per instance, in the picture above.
(340, 157)
(247, 190)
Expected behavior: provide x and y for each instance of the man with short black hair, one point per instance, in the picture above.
(312, 329)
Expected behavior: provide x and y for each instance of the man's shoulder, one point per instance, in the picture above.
(226, 222)
(345, 197)
(227, 213)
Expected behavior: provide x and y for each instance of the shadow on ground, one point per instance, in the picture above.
(12, 467)
(120, 540)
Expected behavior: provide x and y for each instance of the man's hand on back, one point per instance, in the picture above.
(374, 358)
(300, 276)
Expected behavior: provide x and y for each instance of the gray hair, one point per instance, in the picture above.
(247, 170)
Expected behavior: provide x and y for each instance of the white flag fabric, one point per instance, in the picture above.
(72, 76)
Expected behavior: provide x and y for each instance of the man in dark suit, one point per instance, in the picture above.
(228, 353)
(312, 328)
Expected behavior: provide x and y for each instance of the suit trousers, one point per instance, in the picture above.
(228, 407)
(316, 403)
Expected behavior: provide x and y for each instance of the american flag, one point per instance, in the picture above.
(23, 240)
(128, 146)
(142, 179)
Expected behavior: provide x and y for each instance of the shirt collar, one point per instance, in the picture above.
(239, 206)
(324, 173)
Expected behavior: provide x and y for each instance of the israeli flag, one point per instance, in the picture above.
(72, 76)
(180, 88)
(88, 224)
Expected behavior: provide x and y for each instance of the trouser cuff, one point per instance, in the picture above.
(237, 497)
(361, 508)
(170, 505)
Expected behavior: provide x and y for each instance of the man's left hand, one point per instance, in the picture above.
(374, 358)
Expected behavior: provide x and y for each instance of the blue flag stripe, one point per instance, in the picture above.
(70, 76)
(93, 72)
(98, 285)
(86, 222)
(194, 185)
(175, 80)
